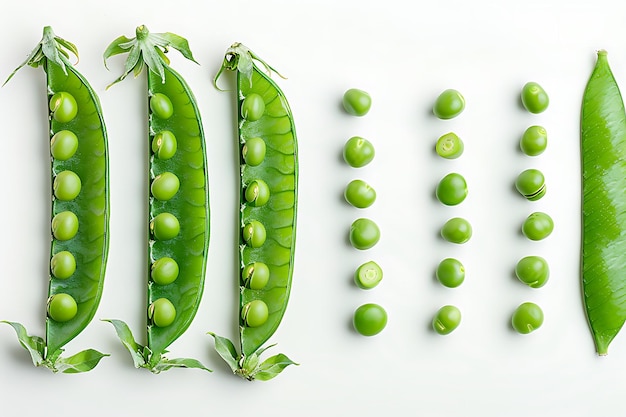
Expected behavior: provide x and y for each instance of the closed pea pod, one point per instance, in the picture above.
(178, 237)
(80, 208)
(267, 218)
(603, 153)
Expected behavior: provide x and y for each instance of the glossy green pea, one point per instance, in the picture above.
(538, 226)
(164, 145)
(356, 102)
(452, 189)
(63, 107)
(253, 151)
(527, 318)
(450, 272)
(255, 313)
(267, 210)
(449, 146)
(64, 225)
(369, 319)
(603, 176)
(255, 275)
(252, 107)
(534, 141)
(63, 145)
(257, 193)
(447, 319)
(449, 104)
(531, 184)
(161, 106)
(533, 271)
(358, 152)
(66, 185)
(63, 265)
(165, 186)
(368, 275)
(62, 307)
(254, 234)
(165, 226)
(161, 312)
(164, 271)
(457, 230)
(364, 234)
(178, 206)
(534, 98)
(359, 194)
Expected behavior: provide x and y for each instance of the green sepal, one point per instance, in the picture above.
(249, 367)
(51, 48)
(240, 58)
(143, 357)
(81, 362)
(146, 48)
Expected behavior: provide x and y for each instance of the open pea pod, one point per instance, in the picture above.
(268, 202)
(80, 208)
(178, 239)
(603, 152)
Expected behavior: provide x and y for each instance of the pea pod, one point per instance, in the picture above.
(80, 208)
(178, 238)
(267, 216)
(603, 150)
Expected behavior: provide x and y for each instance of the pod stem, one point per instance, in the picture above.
(240, 58)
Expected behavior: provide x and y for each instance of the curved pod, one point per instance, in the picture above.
(603, 151)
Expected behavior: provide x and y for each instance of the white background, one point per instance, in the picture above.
(404, 56)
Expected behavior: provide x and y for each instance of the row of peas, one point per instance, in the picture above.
(369, 319)
(66, 186)
(451, 191)
(532, 270)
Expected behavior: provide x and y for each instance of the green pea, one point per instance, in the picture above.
(62, 307)
(164, 271)
(161, 106)
(358, 152)
(164, 145)
(534, 98)
(255, 275)
(534, 141)
(63, 145)
(255, 313)
(161, 313)
(64, 225)
(63, 265)
(533, 271)
(531, 184)
(369, 319)
(368, 275)
(527, 318)
(254, 234)
(457, 230)
(364, 234)
(165, 186)
(449, 146)
(538, 226)
(449, 104)
(165, 226)
(360, 194)
(447, 319)
(452, 189)
(66, 185)
(252, 107)
(356, 102)
(253, 151)
(257, 193)
(63, 107)
(450, 273)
